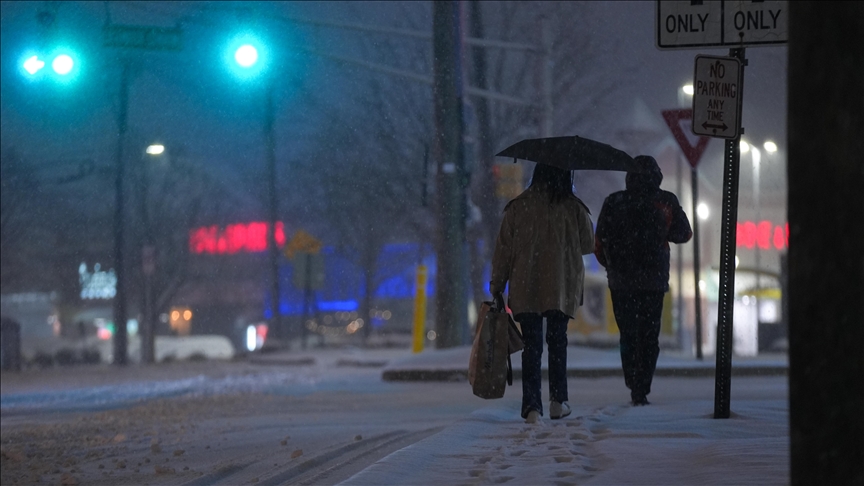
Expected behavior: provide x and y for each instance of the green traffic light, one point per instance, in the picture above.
(62, 64)
(33, 65)
(246, 55)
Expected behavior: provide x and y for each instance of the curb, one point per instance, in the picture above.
(700, 372)
(311, 361)
(304, 361)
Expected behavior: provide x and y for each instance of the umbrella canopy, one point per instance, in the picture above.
(571, 153)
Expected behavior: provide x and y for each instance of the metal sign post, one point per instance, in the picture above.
(693, 153)
(716, 113)
(304, 250)
(309, 275)
(725, 306)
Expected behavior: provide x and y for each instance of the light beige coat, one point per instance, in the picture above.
(539, 252)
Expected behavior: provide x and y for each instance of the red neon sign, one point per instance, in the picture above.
(234, 238)
(762, 235)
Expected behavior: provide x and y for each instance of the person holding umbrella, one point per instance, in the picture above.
(544, 234)
(634, 229)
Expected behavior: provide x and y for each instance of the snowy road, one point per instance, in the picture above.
(213, 423)
(241, 423)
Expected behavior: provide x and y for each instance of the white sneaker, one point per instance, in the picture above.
(558, 410)
(533, 417)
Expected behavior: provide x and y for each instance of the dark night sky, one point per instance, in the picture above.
(190, 99)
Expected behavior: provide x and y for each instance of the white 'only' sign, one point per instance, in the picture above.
(721, 23)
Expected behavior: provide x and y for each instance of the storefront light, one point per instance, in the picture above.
(251, 338)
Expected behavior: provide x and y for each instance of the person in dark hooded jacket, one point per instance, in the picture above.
(632, 239)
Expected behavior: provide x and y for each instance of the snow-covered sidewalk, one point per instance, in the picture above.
(669, 442)
(663, 443)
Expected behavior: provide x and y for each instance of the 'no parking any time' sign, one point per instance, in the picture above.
(717, 97)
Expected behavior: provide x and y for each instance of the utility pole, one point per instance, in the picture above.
(548, 74)
(452, 278)
(148, 266)
(121, 357)
(826, 274)
(484, 195)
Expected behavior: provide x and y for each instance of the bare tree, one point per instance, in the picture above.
(391, 118)
(579, 87)
(52, 219)
(174, 195)
(17, 181)
(365, 181)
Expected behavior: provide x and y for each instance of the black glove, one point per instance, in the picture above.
(499, 301)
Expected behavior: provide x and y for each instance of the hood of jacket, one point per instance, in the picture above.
(649, 178)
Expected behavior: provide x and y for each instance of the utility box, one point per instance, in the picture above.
(10, 345)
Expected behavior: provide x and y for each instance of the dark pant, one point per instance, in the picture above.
(556, 339)
(638, 315)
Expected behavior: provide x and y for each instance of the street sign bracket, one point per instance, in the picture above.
(143, 37)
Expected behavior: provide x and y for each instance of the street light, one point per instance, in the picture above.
(248, 59)
(155, 149)
(685, 99)
(756, 159)
(148, 257)
(770, 146)
(702, 211)
(685, 95)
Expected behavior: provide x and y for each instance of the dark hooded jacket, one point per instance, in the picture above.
(634, 229)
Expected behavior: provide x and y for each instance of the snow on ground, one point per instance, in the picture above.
(102, 387)
(664, 443)
(238, 414)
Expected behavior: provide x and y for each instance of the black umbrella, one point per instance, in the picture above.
(571, 153)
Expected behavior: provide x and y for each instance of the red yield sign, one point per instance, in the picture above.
(673, 120)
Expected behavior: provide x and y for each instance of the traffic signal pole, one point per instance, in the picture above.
(273, 204)
(151, 39)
